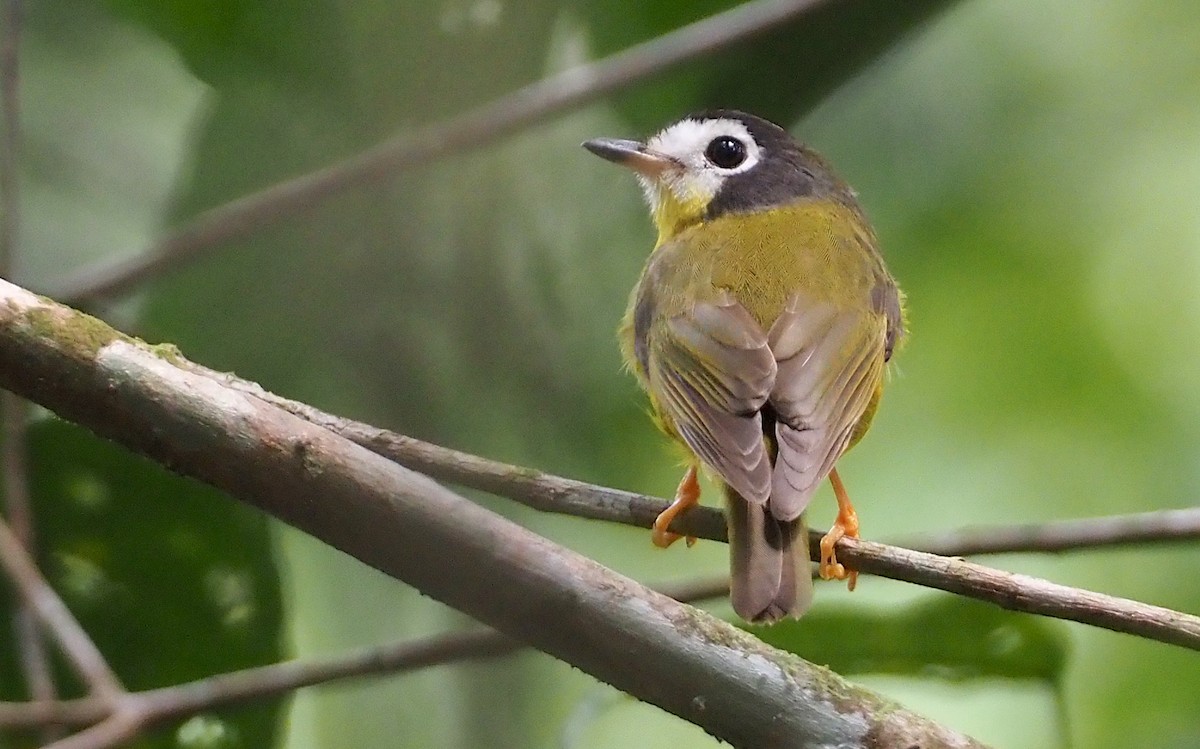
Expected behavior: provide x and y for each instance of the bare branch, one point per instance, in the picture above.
(78, 712)
(35, 661)
(140, 710)
(549, 493)
(119, 728)
(556, 494)
(530, 487)
(1161, 526)
(1026, 593)
(409, 149)
(281, 678)
(402, 523)
(83, 654)
(157, 705)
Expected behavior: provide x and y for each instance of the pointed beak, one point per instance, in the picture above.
(632, 154)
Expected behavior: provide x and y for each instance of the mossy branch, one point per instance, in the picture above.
(406, 525)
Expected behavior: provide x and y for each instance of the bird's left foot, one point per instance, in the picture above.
(846, 525)
(687, 495)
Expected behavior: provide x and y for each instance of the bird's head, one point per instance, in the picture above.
(714, 163)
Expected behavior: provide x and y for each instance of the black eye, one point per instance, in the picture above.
(726, 151)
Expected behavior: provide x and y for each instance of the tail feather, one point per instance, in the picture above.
(769, 565)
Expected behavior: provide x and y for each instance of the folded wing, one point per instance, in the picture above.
(711, 371)
(829, 362)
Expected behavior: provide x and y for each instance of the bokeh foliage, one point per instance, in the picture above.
(1031, 172)
(171, 581)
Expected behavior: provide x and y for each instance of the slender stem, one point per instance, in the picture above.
(560, 495)
(84, 711)
(1023, 592)
(267, 681)
(1160, 526)
(18, 509)
(238, 687)
(14, 412)
(119, 728)
(35, 665)
(406, 150)
(83, 654)
(140, 710)
(551, 493)
(280, 678)
(530, 487)
(18, 506)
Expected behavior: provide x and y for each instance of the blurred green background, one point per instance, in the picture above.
(1032, 169)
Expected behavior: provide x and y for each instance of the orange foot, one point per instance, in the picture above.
(845, 525)
(687, 495)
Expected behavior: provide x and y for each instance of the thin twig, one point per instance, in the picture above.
(33, 657)
(14, 412)
(1023, 592)
(35, 661)
(239, 687)
(549, 493)
(84, 711)
(270, 681)
(530, 487)
(18, 512)
(119, 728)
(61, 624)
(556, 494)
(406, 150)
(1160, 526)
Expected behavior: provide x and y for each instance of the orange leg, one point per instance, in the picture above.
(687, 495)
(846, 524)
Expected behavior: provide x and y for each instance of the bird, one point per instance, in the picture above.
(760, 329)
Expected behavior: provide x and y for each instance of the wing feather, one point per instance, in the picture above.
(829, 361)
(711, 370)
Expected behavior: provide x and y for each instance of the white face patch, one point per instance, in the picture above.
(686, 142)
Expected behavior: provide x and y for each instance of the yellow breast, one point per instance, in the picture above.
(820, 248)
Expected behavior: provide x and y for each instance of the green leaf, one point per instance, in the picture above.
(942, 636)
(171, 579)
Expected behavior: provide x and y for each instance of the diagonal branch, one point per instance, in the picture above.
(14, 412)
(406, 150)
(550, 493)
(237, 687)
(1159, 526)
(119, 728)
(1026, 593)
(37, 594)
(155, 706)
(530, 487)
(556, 494)
(404, 524)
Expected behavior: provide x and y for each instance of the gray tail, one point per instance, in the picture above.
(769, 569)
